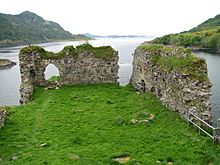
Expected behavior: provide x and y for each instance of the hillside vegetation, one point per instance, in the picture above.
(100, 124)
(205, 35)
(28, 27)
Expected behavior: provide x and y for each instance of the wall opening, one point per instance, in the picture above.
(32, 74)
(143, 86)
(51, 72)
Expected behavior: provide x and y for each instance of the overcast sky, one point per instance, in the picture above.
(105, 17)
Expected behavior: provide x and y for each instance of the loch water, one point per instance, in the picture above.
(213, 65)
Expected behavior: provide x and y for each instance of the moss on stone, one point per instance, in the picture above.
(188, 64)
(69, 51)
(150, 47)
(157, 48)
(103, 52)
(31, 49)
(54, 78)
(85, 47)
(184, 50)
(48, 55)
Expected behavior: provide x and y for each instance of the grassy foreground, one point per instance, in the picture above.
(93, 124)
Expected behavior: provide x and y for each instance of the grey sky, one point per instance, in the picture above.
(103, 17)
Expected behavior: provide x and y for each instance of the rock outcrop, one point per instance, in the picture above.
(5, 64)
(174, 75)
(81, 65)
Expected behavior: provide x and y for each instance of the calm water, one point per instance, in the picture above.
(10, 78)
(213, 63)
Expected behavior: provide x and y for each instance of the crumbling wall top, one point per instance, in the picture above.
(178, 59)
(103, 52)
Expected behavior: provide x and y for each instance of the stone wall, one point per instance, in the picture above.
(2, 117)
(81, 65)
(180, 89)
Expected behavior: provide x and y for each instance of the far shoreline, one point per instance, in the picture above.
(194, 49)
(41, 42)
(208, 50)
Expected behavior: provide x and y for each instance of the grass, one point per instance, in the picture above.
(67, 51)
(188, 64)
(91, 124)
(158, 48)
(54, 78)
(102, 52)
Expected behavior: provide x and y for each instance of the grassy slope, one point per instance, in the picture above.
(208, 39)
(79, 125)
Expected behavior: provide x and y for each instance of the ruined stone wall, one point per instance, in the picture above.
(182, 92)
(75, 67)
(2, 117)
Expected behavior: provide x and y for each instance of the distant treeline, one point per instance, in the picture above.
(205, 35)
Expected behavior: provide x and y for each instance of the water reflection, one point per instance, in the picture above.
(9, 86)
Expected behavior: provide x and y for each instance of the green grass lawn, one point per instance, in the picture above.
(91, 125)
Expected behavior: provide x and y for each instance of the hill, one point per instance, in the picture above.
(205, 36)
(28, 27)
(212, 22)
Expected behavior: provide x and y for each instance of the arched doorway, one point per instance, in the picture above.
(51, 73)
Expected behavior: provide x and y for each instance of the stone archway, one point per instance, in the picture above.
(51, 72)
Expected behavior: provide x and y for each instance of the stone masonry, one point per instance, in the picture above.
(2, 117)
(82, 67)
(181, 92)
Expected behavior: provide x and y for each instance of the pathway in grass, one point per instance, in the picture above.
(94, 124)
